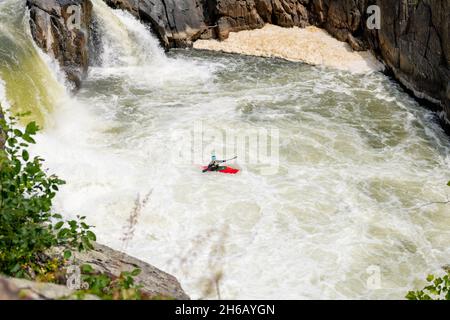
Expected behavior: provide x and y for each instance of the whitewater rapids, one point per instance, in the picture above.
(359, 161)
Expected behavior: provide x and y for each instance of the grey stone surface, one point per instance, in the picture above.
(54, 30)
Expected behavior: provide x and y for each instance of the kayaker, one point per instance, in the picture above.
(214, 165)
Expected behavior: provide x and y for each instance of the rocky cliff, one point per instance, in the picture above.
(61, 29)
(413, 40)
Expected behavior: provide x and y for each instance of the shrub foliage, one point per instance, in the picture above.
(29, 227)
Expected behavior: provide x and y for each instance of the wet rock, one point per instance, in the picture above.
(343, 20)
(413, 40)
(155, 282)
(8, 290)
(61, 29)
(236, 15)
(21, 289)
(290, 13)
(177, 23)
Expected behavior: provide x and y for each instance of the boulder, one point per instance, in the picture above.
(103, 259)
(21, 289)
(155, 283)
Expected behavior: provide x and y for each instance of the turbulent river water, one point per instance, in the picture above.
(344, 213)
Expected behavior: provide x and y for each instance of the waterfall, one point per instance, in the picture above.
(125, 41)
(128, 48)
(32, 81)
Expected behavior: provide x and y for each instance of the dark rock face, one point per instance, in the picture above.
(344, 19)
(177, 23)
(235, 15)
(413, 40)
(61, 29)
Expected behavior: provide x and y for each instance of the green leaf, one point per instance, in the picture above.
(17, 132)
(59, 225)
(67, 254)
(25, 155)
(28, 139)
(63, 233)
(73, 224)
(430, 278)
(411, 295)
(15, 268)
(31, 128)
(91, 236)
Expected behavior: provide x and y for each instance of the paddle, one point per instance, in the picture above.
(222, 161)
(235, 157)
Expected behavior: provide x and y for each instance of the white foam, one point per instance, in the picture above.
(125, 41)
(310, 45)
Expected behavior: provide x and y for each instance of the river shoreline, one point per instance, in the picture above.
(309, 45)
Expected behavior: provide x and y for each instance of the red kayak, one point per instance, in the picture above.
(227, 170)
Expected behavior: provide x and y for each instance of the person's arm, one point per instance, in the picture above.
(223, 161)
